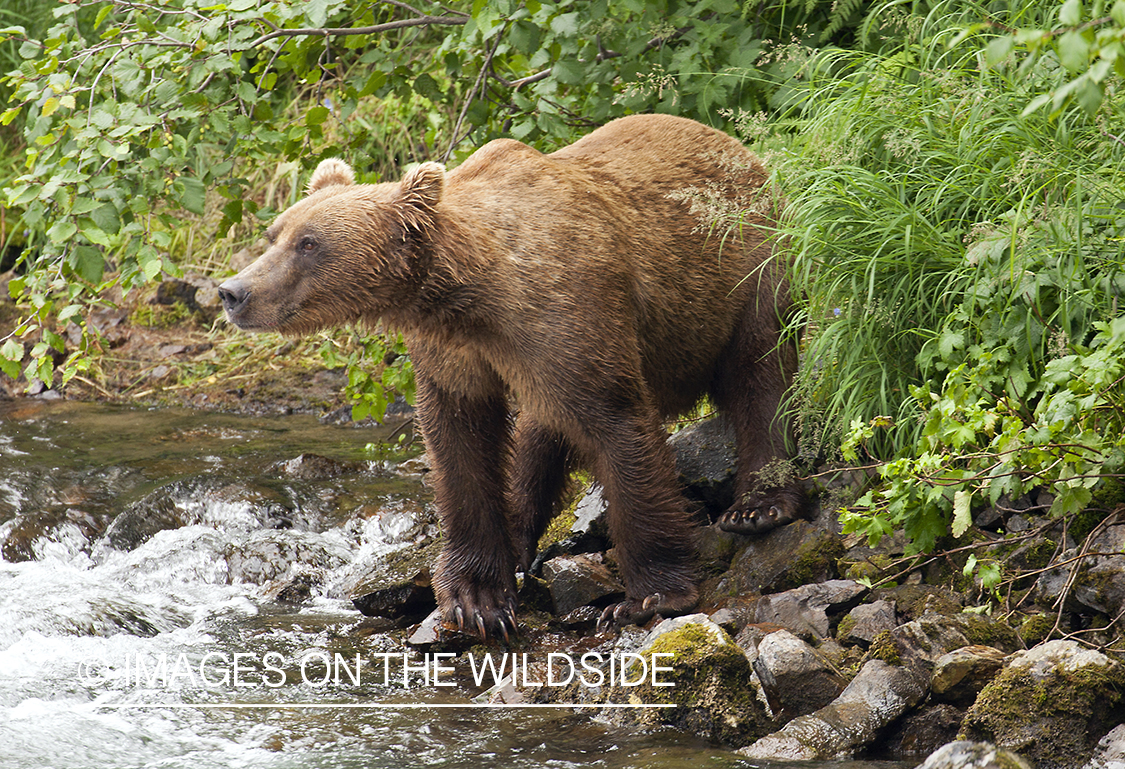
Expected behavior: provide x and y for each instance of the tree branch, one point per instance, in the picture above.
(419, 21)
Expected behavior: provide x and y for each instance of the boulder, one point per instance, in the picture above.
(878, 695)
(973, 755)
(1051, 703)
(959, 675)
(796, 678)
(810, 610)
(710, 682)
(706, 458)
(866, 621)
(782, 559)
(579, 580)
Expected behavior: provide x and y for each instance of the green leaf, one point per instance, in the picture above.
(316, 115)
(1070, 15)
(62, 231)
(1074, 51)
(88, 263)
(962, 511)
(190, 193)
(998, 50)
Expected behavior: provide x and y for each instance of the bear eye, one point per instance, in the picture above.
(307, 245)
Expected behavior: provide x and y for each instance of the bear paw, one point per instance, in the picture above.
(759, 515)
(637, 611)
(483, 615)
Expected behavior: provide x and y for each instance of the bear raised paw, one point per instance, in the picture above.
(593, 293)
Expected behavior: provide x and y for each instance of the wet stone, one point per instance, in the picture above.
(920, 732)
(313, 467)
(878, 695)
(964, 754)
(413, 598)
(866, 621)
(579, 580)
(809, 610)
(796, 679)
(26, 537)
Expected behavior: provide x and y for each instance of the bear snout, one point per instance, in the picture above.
(234, 295)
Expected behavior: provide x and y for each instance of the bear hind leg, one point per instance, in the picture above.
(749, 390)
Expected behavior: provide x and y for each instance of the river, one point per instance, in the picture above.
(163, 643)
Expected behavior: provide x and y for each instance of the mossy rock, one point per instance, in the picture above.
(710, 683)
(1051, 704)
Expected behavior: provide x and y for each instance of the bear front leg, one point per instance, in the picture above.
(653, 535)
(467, 438)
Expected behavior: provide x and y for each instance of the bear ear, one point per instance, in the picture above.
(332, 171)
(419, 194)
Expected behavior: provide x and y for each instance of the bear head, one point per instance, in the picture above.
(347, 252)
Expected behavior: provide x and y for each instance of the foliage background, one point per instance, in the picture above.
(953, 171)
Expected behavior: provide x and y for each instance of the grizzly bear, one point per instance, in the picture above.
(558, 308)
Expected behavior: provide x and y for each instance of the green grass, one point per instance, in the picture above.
(930, 218)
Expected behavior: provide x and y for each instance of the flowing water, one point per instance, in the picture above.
(144, 559)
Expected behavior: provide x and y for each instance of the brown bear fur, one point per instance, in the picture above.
(585, 291)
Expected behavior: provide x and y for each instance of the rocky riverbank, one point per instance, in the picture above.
(802, 649)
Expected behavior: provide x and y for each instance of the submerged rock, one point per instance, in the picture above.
(1051, 703)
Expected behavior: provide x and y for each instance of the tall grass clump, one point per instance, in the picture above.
(960, 260)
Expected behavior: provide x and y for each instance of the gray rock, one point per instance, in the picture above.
(959, 675)
(875, 698)
(1078, 695)
(922, 731)
(796, 679)
(973, 755)
(784, 558)
(705, 458)
(808, 610)
(579, 580)
(405, 599)
(866, 621)
(590, 514)
(1110, 752)
(710, 682)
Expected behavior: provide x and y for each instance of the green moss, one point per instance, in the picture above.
(989, 632)
(712, 687)
(847, 624)
(1036, 628)
(813, 562)
(885, 648)
(1052, 719)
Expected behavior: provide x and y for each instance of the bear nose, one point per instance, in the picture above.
(234, 295)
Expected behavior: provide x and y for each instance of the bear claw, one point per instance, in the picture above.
(758, 519)
(633, 611)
